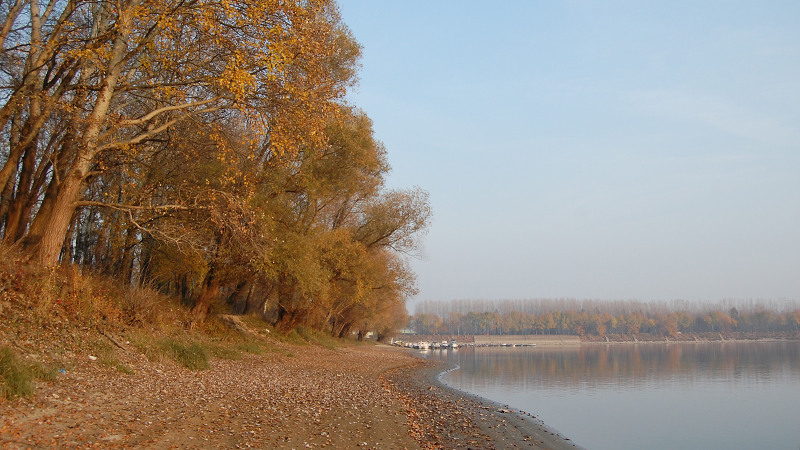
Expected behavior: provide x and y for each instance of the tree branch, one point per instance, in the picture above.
(153, 132)
(123, 207)
(147, 117)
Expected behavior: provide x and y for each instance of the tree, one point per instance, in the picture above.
(339, 238)
(204, 147)
(102, 80)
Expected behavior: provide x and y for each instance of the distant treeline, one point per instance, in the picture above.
(599, 317)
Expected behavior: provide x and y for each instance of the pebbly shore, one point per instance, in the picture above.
(447, 418)
(293, 397)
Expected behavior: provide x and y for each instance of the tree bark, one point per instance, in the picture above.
(18, 214)
(239, 299)
(126, 264)
(49, 247)
(5, 202)
(207, 296)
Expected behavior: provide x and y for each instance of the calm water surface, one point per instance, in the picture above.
(648, 396)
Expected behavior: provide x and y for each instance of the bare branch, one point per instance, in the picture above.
(153, 132)
(123, 207)
(156, 112)
(13, 13)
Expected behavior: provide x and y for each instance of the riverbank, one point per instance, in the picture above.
(448, 418)
(289, 396)
(558, 340)
(690, 338)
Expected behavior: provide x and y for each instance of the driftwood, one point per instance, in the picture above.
(111, 338)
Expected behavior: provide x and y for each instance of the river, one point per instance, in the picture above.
(710, 396)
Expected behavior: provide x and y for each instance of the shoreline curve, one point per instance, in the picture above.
(446, 417)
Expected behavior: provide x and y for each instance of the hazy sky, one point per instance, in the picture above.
(612, 150)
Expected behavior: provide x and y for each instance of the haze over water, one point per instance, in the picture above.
(597, 150)
(733, 395)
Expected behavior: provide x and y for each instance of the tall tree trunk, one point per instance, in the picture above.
(267, 299)
(17, 220)
(69, 250)
(5, 201)
(145, 262)
(47, 250)
(126, 264)
(248, 304)
(52, 239)
(64, 158)
(239, 298)
(207, 296)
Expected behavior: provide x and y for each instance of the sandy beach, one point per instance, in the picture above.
(358, 396)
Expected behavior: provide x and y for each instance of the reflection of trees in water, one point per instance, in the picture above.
(627, 365)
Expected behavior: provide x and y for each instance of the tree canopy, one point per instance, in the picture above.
(204, 147)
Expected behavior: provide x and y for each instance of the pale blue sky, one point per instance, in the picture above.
(613, 150)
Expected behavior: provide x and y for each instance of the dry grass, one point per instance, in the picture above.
(177, 348)
(194, 350)
(107, 356)
(54, 313)
(17, 376)
(192, 355)
(65, 297)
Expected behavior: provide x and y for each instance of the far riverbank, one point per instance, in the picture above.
(564, 339)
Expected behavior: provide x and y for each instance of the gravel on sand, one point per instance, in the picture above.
(448, 418)
(305, 397)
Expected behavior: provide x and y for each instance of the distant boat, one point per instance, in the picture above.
(453, 344)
